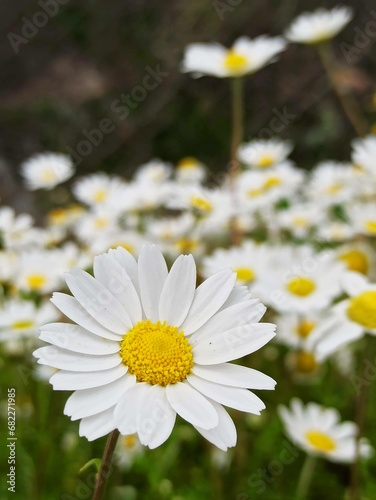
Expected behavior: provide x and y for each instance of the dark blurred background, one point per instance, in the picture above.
(66, 66)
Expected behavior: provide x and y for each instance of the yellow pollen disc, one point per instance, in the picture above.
(100, 195)
(271, 182)
(245, 274)
(123, 244)
(201, 204)
(22, 325)
(370, 226)
(300, 221)
(334, 188)
(57, 216)
(234, 62)
(320, 441)
(301, 286)
(186, 245)
(255, 192)
(362, 309)
(157, 353)
(48, 175)
(100, 222)
(355, 260)
(36, 281)
(305, 362)
(266, 160)
(130, 441)
(187, 163)
(305, 328)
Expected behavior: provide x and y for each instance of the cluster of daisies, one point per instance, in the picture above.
(160, 300)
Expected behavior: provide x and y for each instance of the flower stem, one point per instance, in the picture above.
(237, 88)
(305, 477)
(360, 419)
(104, 471)
(347, 102)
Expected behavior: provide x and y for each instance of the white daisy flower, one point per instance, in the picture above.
(335, 231)
(364, 153)
(189, 170)
(39, 271)
(358, 256)
(264, 153)
(155, 171)
(15, 230)
(300, 218)
(331, 183)
(363, 218)
(246, 56)
(148, 345)
(128, 448)
(96, 189)
(318, 26)
(318, 431)
(47, 170)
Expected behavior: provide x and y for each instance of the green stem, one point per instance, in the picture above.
(347, 102)
(104, 471)
(305, 477)
(237, 89)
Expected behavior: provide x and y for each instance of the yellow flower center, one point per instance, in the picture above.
(304, 328)
(100, 222)
(271, 182)
(125, 245)
(157, 353)
(370, 226)
(301, 286)
(355, 260)
(130, 441)
(48, 175)
(245, 274)
(186, 245)
(305, 362)
(300, 221)
(100, 195)
(266, 160)
(362, 309)
(22, 325)
(57, 216)
(201, 204)
(334, 188)
(322, 442)
(234, 62)
(36, 281)
(187, 163)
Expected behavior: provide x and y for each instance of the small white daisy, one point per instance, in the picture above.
(148, 345)
(319, 432)
(246, 56)
(47, 170)
(364, 153)
(318, 26)
(264, 153)
(189, 170)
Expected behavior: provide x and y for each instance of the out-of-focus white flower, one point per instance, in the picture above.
(155, 171)
(363, 218)
(47, 170)
(15, 230)
(318, 432)
(335, 231)
(246, 56)
(39, 271)
(189, 170)
(331, 183)
(96, 189)
(318, 26)
(358, 256)
(128, 448)
(300, 218)
(264, 153)
(364, 153)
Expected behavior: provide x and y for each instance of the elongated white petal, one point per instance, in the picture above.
(238, 294)
(233, 344)
(152, 273)
(77, 339)
(234, 397)
(97, 425)
(208, 298)
(98, 301)
(127, 262)
(67, 360)
(127, 409)
(69, 306)
(224, 435)
(87, 402)
(191, 405)
(235, 376)
(178, 291)
(156, 417)
(114, 277)
(72, 380)
(354, 283)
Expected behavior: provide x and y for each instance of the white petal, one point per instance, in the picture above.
(67, 360)
(152, 272)
(126, 411)
(354, 283)
(191, 405)
(238, 294)
(87, 402)
(98, 301)
(98, 425)
(233, 344)
(77, 339)
(208, 298)
(69, 306)
(224, 435)
(240, 399)
(114, 277)
(127, 262)
(178, 291)
(71, 381)
(345, 333)
(235, 376)
(156, 418)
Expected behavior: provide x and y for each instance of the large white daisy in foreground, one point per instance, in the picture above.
(148, 345)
